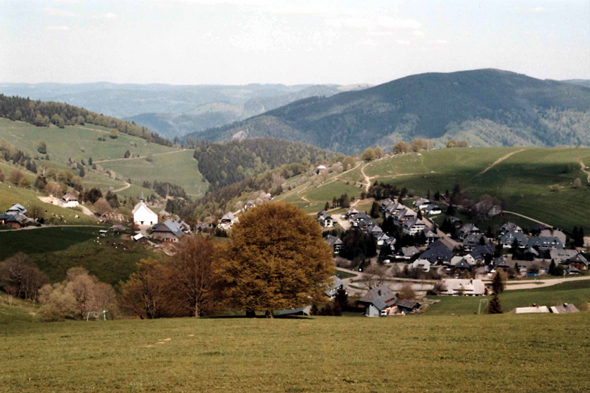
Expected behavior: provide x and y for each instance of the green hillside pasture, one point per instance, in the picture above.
(178, 167)
(55, 250)
(135, 191)
(76, 142)
(330, 190)
(526, 179)
(575, 292)
(9, 195)
(488, 353)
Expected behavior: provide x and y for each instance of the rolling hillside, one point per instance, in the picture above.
(82, 142)
(485, 107)
(535, 182)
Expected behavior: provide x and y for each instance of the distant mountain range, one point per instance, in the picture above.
(174, 110)
(485, 107)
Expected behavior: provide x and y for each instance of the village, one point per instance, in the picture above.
(397, 247)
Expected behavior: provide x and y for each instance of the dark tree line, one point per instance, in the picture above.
(228, 163)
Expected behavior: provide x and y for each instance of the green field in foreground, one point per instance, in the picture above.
(504, 353)
(574, 292)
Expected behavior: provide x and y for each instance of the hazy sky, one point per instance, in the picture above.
(291, 42)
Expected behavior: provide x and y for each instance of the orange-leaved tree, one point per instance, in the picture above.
(277, 259)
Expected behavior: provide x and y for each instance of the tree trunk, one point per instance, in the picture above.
(197, 314)
(251, 314)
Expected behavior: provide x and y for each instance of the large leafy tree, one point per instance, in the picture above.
(277, 260)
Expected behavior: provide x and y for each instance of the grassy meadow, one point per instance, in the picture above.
(55, 250)
(9, 195)
(487, 353)
(536, 182)
(82, 142)
(574, 292)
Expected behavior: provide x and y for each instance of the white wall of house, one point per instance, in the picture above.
(145, 216)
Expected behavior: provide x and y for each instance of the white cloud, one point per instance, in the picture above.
(439, 42)
(67, 1)
(418, 33)
(108, 15)
(58, 28)
(535, 10)
(380, 33)
(58, 13)
(368, 42)
(403, 42)
(385, 22)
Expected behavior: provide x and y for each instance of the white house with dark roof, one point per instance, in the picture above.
(69, 200)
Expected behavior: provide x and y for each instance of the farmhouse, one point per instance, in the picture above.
(413, 226)
(228, 221)
(544, 243)
(378, 301)
(17, 209)
(12, 221)
(513, 236)
(169, 231)
(437, 253)
(68, 200)
(466, 287)
(509, 227)
(326, 221)
(468, 229)
(336, 283)
(550, 232)
(334, 242)
(407, 306)
(142, 214)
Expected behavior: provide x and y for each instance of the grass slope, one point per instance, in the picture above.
(55, 250)
(81, 142)
(575, 292)
(9, 195)
(526, 178)
(507, 353)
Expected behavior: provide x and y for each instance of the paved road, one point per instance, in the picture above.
(51, 226)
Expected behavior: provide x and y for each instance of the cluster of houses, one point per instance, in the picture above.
(471, 250)
(15, 217)
(170, 230)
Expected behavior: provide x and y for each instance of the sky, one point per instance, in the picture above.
(288, 41)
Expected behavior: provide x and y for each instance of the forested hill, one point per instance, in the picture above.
(225, 163)
(485, 107)
(42, 114)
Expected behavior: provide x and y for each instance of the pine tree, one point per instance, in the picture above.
(499, 282)
(419, 215)
(495, 307)
(327, 206)
(341, 298)
(551, 270)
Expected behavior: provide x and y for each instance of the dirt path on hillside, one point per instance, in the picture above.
(140, 157)
(583, 168)
(541, 283)
(52, 226)
(367, 178)
(528, 218)
(54, 201)
(499, 160)
(127, 185)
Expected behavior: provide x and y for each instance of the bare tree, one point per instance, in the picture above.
(374, 276)
(407, 292)
(20, 277)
